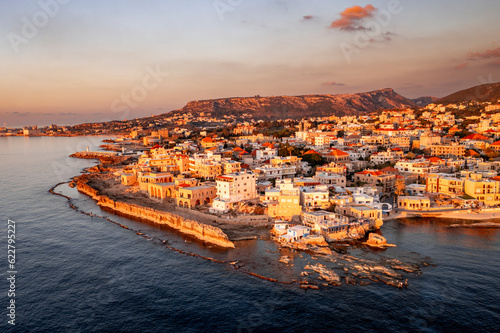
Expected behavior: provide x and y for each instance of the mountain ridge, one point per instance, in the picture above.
(297, 107)
(484, 93)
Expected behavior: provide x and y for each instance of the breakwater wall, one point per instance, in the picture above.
(201, 231)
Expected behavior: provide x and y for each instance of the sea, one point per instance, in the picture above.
(75, 272)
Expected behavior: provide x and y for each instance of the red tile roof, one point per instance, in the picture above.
(311, 151)
(337, 152)
(370, 172)
(475, 136)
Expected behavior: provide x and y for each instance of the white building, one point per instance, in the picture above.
(314, 197)
(265, 154)
(331, 179)
(232, 189)
(416, 166)
(267, 172)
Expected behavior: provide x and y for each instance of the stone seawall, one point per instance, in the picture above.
(203, 232)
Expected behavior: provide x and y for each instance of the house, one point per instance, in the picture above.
(128, 179)
(415, 189)
(414, 202)
(330, 179)
(361, 212)
(208, 142)
(376, 178)
(332, 168)
(295, 233)
(280, 227)
(190, 197)
(337, 156)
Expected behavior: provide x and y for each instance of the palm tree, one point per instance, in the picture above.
(400, 187)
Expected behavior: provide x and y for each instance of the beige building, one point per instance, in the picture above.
(284, 200)
(230, 166)
(448, 150)
(153, 177)
(332, 168)
(314, 197)
(416, 166)
(337, 156)
(445, 185)
(330, 179)
(208, 142)
(400, 141)
(360, 212)
(376, 178)
(414, 202)
(486, 191)
(190, 197)
(128, 179)
(205, 167)
(162, 190)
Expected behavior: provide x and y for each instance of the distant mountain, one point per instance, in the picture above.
(483, 93)
(425, 100)
(297, 107)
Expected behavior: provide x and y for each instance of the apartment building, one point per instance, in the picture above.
(436, 183)
(284, 200)
(312, 197)
(234, 188)
(487, 191)
(447, 150)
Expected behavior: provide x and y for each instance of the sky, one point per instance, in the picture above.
(72, 61)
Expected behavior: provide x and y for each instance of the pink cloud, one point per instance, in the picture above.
(308, 17)
(350, 17)
(488, 54)
(462, 65)
(332, 83)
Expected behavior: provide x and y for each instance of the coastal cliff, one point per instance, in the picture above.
(203, 232)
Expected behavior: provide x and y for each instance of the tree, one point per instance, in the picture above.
(400, 187)
(411, 156)
(314, 159)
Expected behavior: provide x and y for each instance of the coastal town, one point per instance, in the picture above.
(312, 181)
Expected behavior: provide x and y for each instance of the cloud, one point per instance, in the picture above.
(308, 17)
(350, 18)
(462, 65)
(332, 83)
(488, 54)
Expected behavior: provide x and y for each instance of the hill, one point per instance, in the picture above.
(297, 107)
(425, 100)
(483, 93)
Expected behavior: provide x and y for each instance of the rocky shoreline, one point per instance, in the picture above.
(200, 231)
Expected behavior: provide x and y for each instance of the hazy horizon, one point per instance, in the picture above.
(68, 62)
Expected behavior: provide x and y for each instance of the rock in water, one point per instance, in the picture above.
(377, 240)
